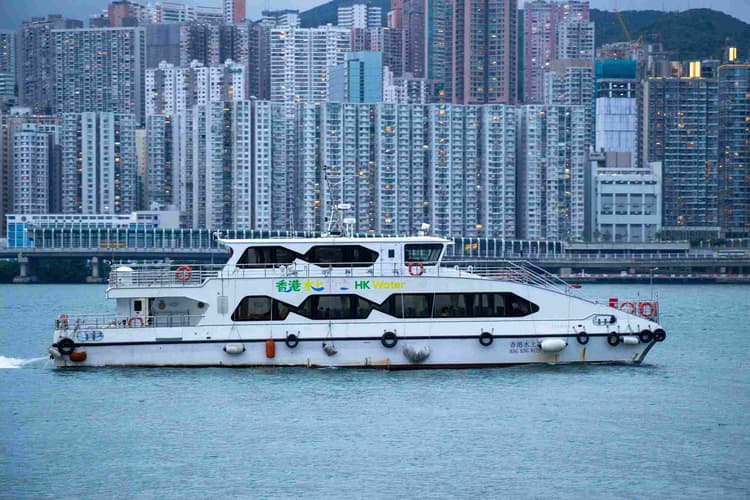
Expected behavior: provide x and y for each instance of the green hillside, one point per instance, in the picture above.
(691, 34)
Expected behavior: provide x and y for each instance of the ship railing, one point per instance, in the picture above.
(647, 308)
(171, 274)
(86, 322)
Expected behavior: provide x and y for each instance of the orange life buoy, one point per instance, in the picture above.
(184, 272)
(647, 309)
(134, 319)
(270, 349)
(627, 307)
(416, 268)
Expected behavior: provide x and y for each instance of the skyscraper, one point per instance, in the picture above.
(100, 70)
(234, 11)
(552, 156)
(171, 90)
(358, 79)
(734, 149)
(7, 65)
(36, 61)
(359, 15)
(33, 155)
(682, 130)
(546, 38)
(300, 58)
(200, 42)
(99, 163)
(484, 51)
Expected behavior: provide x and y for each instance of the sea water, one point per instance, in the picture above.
(676, 426)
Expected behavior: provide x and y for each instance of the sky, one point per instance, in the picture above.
(12, 12)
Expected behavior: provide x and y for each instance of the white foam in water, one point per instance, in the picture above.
(17, 362)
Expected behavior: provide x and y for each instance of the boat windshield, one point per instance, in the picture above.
(426, 253)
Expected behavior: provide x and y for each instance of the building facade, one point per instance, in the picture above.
(100, 70)
(7, 65)
(360, 15)
(98, 163)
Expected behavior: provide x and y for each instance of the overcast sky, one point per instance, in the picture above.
(12, 12)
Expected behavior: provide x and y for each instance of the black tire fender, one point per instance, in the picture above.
(613, 339)
(389, 339)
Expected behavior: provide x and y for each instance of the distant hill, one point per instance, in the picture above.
(328, 12)
(690, 34)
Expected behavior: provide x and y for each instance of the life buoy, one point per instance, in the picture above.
(136, 319)
(645, 336)
(613, 339)
(416, 268)
(647, 310)
(62, 321)
(389, 339)
(184, 273)
(486, 338)
(627, 307)
(66, 346)
(582, 338)
(291, 341)
(660, 335)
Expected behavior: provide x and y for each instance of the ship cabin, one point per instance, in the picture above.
(389, 256)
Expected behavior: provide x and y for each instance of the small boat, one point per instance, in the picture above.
(345, 301)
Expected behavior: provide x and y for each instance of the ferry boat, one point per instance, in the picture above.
(344, 301)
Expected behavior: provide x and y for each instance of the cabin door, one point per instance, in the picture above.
(391, 259)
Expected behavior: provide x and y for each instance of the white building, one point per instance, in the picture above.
(286, 19)
(360, 16)
(575, 40)
(98, 163)
(171, 90)
(300, 58)
(32, 161)
(626, 202)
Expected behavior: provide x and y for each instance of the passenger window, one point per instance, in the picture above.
(414, 305)
(489, 305)
(428, 253)
(253, 309)
(341, 256)
(450, 305)
(517, 306)
(258, 257)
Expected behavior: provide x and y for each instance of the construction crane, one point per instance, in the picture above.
(633, 45)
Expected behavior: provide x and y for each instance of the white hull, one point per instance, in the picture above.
(360, 349)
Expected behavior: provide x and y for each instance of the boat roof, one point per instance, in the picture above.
(336, 240)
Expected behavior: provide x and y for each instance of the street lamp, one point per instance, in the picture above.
(651, 280)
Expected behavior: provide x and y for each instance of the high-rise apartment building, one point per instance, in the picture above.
(200, 42)
(300, 59)
(438, 47)
(484, 51)
(734, 149)
(36, 61)
(33, 157)
(161, 179)
(552, 156)
(360, 15)
(100, 70)
(11, 124)
(358, 79)
(616, 108)
(234, 11)
(400, 168)
(282, 19)
(681, 124)
(122, 13)
(171, 90)
(546, 40)
(98, 163)
(7, 65)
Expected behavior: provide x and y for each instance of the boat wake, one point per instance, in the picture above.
(6, 363)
